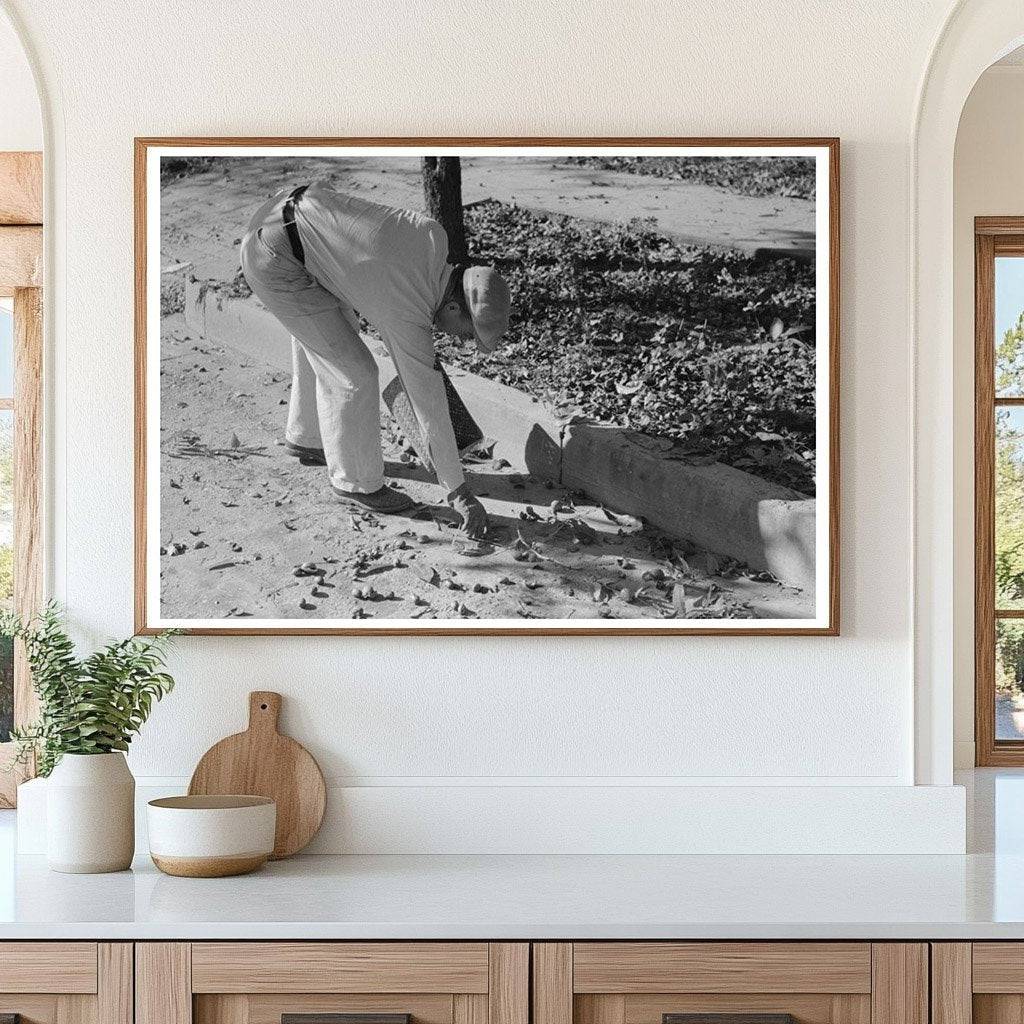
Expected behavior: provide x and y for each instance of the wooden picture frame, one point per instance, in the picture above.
(824, 622)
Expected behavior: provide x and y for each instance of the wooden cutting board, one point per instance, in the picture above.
(262, 762)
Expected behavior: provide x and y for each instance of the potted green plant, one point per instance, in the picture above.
(89, 710)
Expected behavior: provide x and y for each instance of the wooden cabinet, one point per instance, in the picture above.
(260, 982)
(494, 983)
(649, 982)
(979, 982)
(66, 982)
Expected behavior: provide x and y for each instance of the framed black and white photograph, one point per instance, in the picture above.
(487, 386)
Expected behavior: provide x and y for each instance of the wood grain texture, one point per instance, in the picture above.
(599, 1009)
(831, 144)
(48, 967)
(346, 1018)
(115, 984)
(141, 525)
(984, 503)
(999, 226)
(467, 1008)
(76, 1009)
(816, 1008)
(1009, 245)
(28, 482)
(339, 967)
(951, 983)
(225, 1009)
(21, 258)
(163, 983)
(208, 867)
(32, 1009)
(851, 1009)
(21, 188)
(998, 1009)
(997, 967)
(729, 1018)
(552, 983)
(52, 1008)
(721, 967)
(269, 1008)
(262, 762)
(508, 990)
(899, 988)
(834, 391)
(27, 500)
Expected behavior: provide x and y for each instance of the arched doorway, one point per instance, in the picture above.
(975, 35)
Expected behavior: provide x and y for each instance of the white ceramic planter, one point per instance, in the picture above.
(90, 814)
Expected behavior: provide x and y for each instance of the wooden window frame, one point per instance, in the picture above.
(993, 237)
(21, 269)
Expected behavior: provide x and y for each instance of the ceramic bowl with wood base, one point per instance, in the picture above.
(211, 836)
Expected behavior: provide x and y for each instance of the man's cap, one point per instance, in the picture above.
(489, 303)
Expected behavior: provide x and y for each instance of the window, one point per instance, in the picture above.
(21, 356)
(999, 490)
(6, 510)
(20, 492)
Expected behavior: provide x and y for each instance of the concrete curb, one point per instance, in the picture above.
(715, 507)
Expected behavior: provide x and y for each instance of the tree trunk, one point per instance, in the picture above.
(442, 192)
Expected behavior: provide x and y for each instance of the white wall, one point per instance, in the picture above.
(21, 125)
(444, 713)
(988, 181)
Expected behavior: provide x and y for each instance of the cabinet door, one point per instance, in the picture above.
(730, 983)
(980, 982)
(332, 983)
(66, 982)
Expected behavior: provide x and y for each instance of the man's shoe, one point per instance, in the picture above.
(307, 456)
(385, 500)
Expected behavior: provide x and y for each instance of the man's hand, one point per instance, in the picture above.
(473, 514)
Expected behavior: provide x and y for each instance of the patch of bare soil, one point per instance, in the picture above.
(247, 531)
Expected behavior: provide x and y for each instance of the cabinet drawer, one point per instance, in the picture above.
(998, 967)
(66, 982)
(340, 967)
(48, 967)
(731, 982)
(630, 967)
(262, 982)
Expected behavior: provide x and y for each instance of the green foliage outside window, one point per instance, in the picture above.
(1009, 510)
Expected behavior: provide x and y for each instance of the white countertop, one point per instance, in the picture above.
(532, 897)
(978, 896)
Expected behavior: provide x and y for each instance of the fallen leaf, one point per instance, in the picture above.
(427, 573)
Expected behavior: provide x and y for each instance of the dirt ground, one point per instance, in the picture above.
(247, 531)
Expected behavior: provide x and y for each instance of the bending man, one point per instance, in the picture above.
(314, 256)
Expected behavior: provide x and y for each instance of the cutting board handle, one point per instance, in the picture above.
(264, 710)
